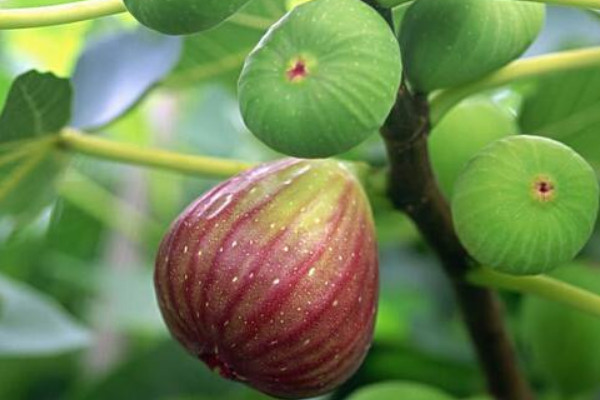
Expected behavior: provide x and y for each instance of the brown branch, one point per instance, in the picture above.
(414, 190)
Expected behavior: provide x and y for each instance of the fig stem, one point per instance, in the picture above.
(209, 167)
(413, 189)
(539, 285)
(442, 101)
(33, 17)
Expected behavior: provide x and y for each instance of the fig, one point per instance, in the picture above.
(464, 131)
(525, 204)
(452, 42)
(180, 17)
(564, 343)
(322, 79)
(271, 278)
(399, 390)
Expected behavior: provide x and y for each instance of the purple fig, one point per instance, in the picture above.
(271, 278)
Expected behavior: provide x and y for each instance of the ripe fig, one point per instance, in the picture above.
(464, 131)
(525, 204)
(564, 342)
(271, 278)
(322, 80)
(451, 42)
(180, 17)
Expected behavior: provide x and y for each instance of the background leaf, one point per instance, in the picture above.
(32, 324)
(37, 107)
(114, 72)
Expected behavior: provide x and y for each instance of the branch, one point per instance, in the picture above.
(188, 164)
(413, 189)
(532, 67)
(33, 17)
(543, 286)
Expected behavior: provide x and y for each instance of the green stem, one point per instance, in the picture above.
(540, 285)
(444, 100)
(188, 164)
(572, 3)
(32, 17)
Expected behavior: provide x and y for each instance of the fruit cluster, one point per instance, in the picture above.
(271, 278)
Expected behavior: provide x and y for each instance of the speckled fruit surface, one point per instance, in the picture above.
(271, 278)
(525, 204)
(322, 80)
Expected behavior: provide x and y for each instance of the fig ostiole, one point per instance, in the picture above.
(525, 204)
(180, 17)
(271, 278)
(322, 79)
(452, 42)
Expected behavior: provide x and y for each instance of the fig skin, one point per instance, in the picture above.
(525, 204)
(322, 80)
(271, 278)
(466, 129)
(180, 17)
(449, 43)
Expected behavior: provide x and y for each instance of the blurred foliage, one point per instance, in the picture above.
(90, 250)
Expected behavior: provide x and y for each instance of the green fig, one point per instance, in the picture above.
(452, 42)
(322, 80)
(271, 278)
(399, 390)
(180, 17)
(565, 343)
(525, 204)
(464, 131)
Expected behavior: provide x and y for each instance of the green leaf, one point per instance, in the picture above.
(33, 324)
(37, 105)
(37, 108)
(566, 107)
(220, 52)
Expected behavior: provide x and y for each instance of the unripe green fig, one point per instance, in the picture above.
(399, 390)
(564, 342)
(322, 79)
(180, 17)
(525, 204)
(451, 42)
(271, 278)
(465, 130)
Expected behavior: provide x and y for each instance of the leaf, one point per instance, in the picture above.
(33, 324)
(114, 73)
(37, 105)
(220, 52)
(566, 107)
(37, 108)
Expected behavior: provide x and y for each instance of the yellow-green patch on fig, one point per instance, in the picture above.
(322, 79)
(179, 17)
(525, 204)
(451, 42)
